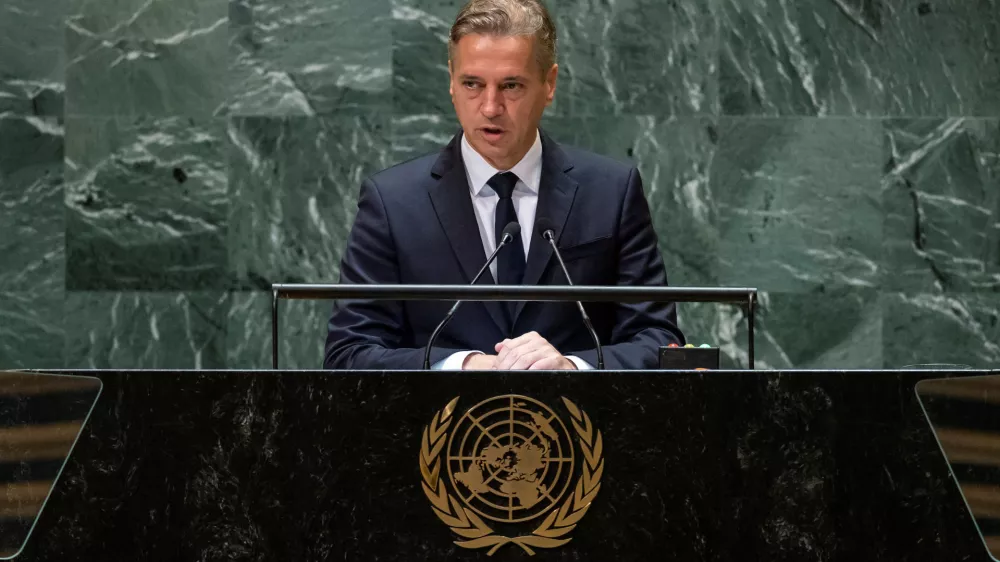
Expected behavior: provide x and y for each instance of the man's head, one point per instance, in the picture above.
(501, 58)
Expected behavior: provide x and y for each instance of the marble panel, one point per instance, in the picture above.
(146, 204)
(31, 204)
(645, 57)
(839, 329)
(941, 195)
(922, 328)
(145, 57)
(129, 330)
(783, 57)
(420, 30)
(798, 203)
(301, 332)
(32, 57)
(32, 330)
(942, 58)
(307, 57)
(294, 184)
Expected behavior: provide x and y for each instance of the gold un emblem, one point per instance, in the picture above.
(510, 462)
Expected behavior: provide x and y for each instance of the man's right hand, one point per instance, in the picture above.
(479, 362)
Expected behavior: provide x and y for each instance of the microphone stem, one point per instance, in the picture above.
(583, 313)
(447, 318)
(434, 334)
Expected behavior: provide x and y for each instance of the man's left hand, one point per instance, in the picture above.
(530, 351)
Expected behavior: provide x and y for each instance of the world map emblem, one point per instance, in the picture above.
(511, 460)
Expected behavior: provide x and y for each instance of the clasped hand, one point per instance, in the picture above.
(529, 351)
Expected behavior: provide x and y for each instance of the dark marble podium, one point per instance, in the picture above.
(307, 465)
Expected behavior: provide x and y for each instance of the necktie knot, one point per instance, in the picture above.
(503, 184)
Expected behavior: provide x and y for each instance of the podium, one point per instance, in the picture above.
(671, 465)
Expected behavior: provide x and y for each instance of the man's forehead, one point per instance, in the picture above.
(466, 73)
(510, 53)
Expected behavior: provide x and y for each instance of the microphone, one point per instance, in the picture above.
(510, 233)
(547, 229)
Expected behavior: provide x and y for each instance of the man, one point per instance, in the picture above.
(435, 220)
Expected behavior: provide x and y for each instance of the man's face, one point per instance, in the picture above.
(499, 94)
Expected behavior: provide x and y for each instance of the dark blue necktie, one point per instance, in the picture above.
(510, 261)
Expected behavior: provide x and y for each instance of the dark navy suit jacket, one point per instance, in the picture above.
(416, 224)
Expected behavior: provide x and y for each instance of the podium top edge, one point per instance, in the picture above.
(513, 292)
(924, 373)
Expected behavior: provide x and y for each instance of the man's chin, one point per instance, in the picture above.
(493, 152)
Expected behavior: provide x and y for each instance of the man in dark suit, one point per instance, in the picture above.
(435, 219)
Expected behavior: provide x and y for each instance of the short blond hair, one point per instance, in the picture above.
(508, 18)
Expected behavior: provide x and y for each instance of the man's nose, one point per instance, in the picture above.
(492, 104)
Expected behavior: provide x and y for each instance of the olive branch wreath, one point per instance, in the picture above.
(465, 523)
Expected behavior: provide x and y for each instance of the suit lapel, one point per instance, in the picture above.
(555, 199)
(453, 204)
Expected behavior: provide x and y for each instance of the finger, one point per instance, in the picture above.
(528, 359)
(524, 356)
(500, 345)
(524, 339)
(528, 345)
(515, 354)
(507, 358)
(547, 364)
(503, 351)
(519, 346)
(503, 356)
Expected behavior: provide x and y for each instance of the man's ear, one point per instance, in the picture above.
(451, 81)
(550, 82)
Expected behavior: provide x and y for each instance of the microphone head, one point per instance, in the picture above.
(545, 227)
(513, 229)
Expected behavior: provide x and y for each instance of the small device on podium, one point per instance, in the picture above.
(687, 358)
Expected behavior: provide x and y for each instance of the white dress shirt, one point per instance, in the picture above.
(484, 200)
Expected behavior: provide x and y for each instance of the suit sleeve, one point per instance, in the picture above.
(367, 334)
(640, 329)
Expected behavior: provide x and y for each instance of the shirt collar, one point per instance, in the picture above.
(479, 171)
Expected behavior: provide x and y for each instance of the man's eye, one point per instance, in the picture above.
(512, 86)
(470, 84)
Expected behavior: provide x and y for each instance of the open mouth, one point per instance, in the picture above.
(492, 133)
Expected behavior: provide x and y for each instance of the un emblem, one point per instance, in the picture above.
(510, 460)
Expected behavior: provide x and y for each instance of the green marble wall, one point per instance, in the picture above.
(163, 161)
